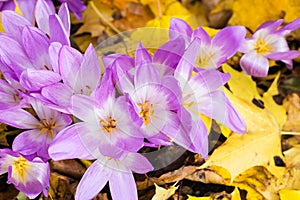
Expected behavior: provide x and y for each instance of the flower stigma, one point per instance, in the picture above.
(146, 111)
(261, 47)
(108, 125)
(46, 126)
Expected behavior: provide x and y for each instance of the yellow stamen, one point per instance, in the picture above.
(146, 111)
(46, 126)
(261, 47)
(19, 167)
(203, 60)
(109, 124)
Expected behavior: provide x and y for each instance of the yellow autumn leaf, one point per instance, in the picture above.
(257, 120)
(278, 111)
(289, 194)
(237, 83)
(255, 12)
(250, 150)
(162, 193)
(199, 198)
(235, 195)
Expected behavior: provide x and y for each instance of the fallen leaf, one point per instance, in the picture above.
(289, 194)
(198, 198)
(293, 157)
(235, 195)
(162, 193)
(250, 150)
(292, 106)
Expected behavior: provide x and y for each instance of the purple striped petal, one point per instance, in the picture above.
(27, 9)
(255, 65)
(179, 28)
(43, 9)
(58, 33)
(64, 15)
(68, 144)
(201, 34)
(289, 55)
(18, 118)
(34, 80)
(93, 180)
(142, 56)
(122, 186)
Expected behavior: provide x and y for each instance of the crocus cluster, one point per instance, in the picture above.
(67, 107)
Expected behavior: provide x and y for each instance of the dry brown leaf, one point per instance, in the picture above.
(292, 105)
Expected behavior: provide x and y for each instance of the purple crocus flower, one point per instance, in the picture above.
(268, 42)
(213, 52)
(200, 94)
(105, 121)
(116, 171)
(80, 75)
(30, 177)
(151, 95)
(26, 7)
(40, 132)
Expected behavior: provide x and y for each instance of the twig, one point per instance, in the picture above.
(159, 9)
(289, 133)
(108, 23)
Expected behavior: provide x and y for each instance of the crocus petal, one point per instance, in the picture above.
(186, 64)
(137, 163)
(142, 56)
(36, 45)
(34, 80)
(122, 186)
(13, 23)
(43, 9)
(255, 65)
(69, 63)
(83, 108)
(93, 180)
(218, 107)
(18, 118)
(106, 89)
(123, 81)
(88, 76)
(146, 74)
(289, 55)
(208, 80)
(202, 34)
(286, 29)
(68, 144)
(58, 33)
(27, 8)
(29, 142)
(14, 56)
(271, 26)
(229, 39)
(53, 51)
(64, 15)
(168, 56)
(179, 28)
(37, 176)
(76, 7)
(58, 93)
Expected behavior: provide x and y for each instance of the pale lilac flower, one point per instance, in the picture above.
(40, 132)
(156, 98)
(213, 52)
(30, 177)
(106, 121)
(201, 94)
(268, 42)
(80, 75)
(116, 171)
